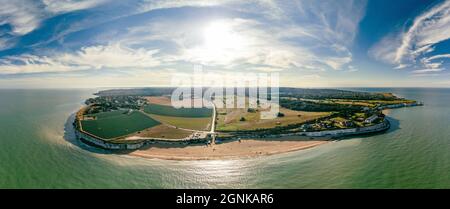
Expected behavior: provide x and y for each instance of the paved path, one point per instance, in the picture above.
(213, 124)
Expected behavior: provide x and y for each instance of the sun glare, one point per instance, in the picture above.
(222, 42)
(219, 37)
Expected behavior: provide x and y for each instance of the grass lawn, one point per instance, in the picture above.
(164, 131)
(338, 119)
(165, 110)
(201, 124)
(104, 115)
(117, 123)
(392, 102)
(231, 120)
(358, 103)
(370, 103)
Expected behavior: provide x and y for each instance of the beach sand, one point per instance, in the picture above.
(235, 149)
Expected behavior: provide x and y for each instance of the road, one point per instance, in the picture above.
(213, 124)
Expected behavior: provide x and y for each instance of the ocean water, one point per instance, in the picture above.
(38, 150)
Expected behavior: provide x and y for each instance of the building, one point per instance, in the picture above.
(371, 119)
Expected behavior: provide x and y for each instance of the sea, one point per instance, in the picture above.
(38, 150)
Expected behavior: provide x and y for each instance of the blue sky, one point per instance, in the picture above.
(105, 43)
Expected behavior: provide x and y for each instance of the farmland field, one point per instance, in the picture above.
(104, 115)
(166, 110)
(160, 100)
(371, 103)
(117, 123)
(164, 131)
(201, 124)
(230, 119)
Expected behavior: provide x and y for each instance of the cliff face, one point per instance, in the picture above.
(90, 140)
(131, 145)
(93, 141)
(351, 131)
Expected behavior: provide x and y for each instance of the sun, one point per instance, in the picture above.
(222, 43)
(220, 37)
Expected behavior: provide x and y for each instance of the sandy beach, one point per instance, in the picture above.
(229, 150)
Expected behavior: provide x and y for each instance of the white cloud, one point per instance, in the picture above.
(23, 15)
(26, 15)
(352, 68)
(401, 66)
(320, 39)
(32, 64)
(385, 49)
(427, 30)
(441, 56)
(94, 57)
(58, 6)
(427, 70)
(148, 5)
(111, 56)
(304, 35)
(337, 62)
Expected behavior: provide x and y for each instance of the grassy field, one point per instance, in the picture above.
(117, 123)
(160, 100)
(358, 103)
(201, 124)
(371, 103)
(104, 115)
(166, 110)
(164, 131)
(230, 119)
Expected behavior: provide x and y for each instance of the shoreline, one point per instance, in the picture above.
(247, 148)
(236, 149)
(233, 149)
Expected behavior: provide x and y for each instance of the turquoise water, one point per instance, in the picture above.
(37, 150)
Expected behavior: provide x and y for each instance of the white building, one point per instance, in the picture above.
(371, 119)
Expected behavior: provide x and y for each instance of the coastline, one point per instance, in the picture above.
(230, 150)
(244, 148)
(236, 149)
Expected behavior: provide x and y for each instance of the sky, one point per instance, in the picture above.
(309, 43)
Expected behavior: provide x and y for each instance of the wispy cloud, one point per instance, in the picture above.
(440, 56)
(403, 49)
(22, 15)
(351, 68)
(26, 15)
(258, 35)
(427, 70)
(58, 6)
(88, 58)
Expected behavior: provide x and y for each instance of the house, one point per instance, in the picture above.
(371, 119)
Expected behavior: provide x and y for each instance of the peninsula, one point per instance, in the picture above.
(145, 123)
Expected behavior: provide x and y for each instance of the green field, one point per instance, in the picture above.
(104, 115)
(230, 119)
(117, 123)
(166, 110)
(201, 124)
